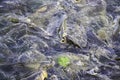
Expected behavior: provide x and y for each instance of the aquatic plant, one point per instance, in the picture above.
(63, 61)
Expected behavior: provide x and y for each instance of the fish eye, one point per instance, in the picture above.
(77, 0)
(62, 40)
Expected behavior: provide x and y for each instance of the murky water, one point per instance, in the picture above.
(59, 40)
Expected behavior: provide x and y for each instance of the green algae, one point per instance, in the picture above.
(63, 61)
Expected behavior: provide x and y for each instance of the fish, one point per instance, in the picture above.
(40, 75)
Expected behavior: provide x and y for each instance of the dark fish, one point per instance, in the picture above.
(10, 5)
(117, 58)
(116, 30)
(93, 39)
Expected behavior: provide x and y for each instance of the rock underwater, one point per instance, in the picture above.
(59, 40)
